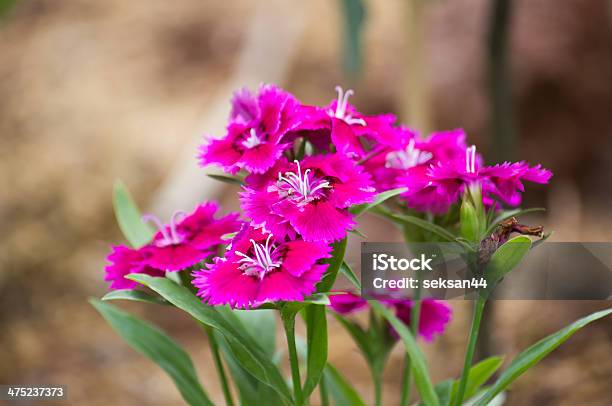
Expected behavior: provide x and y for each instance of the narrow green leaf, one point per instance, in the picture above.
(380, 198)
(247, 386)
(334, 265)
(541, 240)
(418, 363)
(347, 271)
(359, 335)
(479, 375)
(506, 258)
(316, 340)
(232, 180)
(443, 390)
(260, 325)
(135, 295)
(157, 346)
(535, 353)
(498, 400)
(426, 225)
(358, 233)
(508, 214)
(435, 229)
(128, 216)
(340, 389)
(248, 352)
(317, 299)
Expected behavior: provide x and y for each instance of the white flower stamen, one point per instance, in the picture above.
(262, 263)
(169, 233)
(470, 159)
(407, 158)
(303, 185)
(252, 141)
(341, 107)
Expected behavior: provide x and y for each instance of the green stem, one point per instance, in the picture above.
(415, 315)
(323, 392)
(289, 324)
(377, 390)
(214, 348)
(406, 381)
(469, 355)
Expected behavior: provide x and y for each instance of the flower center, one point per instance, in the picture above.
(261, 260)
(407, 158)
(341, 107)
(470, 159)
(252, 140)
(303, 188)
(170, 234)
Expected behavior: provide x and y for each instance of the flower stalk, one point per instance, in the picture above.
(289, 325)
(214, 349)
(414, 328)
(469, 354)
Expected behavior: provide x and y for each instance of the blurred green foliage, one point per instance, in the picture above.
(5, 7)
(354, 13)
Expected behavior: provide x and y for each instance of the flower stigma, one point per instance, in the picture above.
(170, 235)
(341, 107)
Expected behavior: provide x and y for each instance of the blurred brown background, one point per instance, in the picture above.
(92, 91)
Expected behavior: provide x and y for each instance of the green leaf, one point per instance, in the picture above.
(443, 390)
(128, 216)
(479, 375)
(157, 346)
(508, 214)
(347, 271)
(359, 335)
(380, 198)
(535, 353)
(541, 240)
(248, 352)
(334, 265)
(435, 229)
(317, 299)
(135, 295)
(316, 339)
(358, 233)
(232, 180)
(251, 390)
(260, 325)
(506, 258)
(340, 389)
(498, 400)
(418, 363)
(248, 387)
(407, 219)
